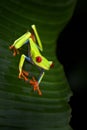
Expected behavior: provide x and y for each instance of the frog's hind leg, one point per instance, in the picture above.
(35, 83)
(22, 73)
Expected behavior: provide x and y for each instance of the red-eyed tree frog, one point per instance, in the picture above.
(34, 56)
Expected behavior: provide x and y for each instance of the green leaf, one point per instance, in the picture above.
(20, 107)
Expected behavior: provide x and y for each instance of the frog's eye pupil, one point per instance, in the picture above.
(38, 59)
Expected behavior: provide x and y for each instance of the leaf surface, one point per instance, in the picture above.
(20, 107)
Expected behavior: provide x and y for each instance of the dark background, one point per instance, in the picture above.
(72, 53)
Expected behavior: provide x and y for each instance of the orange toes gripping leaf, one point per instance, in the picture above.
(23, 75)
(35, 85)
(15, 51)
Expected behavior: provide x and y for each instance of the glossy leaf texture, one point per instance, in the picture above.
(20, 107)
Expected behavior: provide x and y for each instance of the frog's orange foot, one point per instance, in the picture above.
(15, 51)
(25, 73)
(35, 85)
(22, 76)
(11, 47)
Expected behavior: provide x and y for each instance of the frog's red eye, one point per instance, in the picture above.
(38, 59)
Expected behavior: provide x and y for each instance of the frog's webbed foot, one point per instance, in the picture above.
(23, 75)
(15, 51)
(35, 85)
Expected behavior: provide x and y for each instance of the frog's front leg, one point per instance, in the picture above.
(23, 74)
(24, 39)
